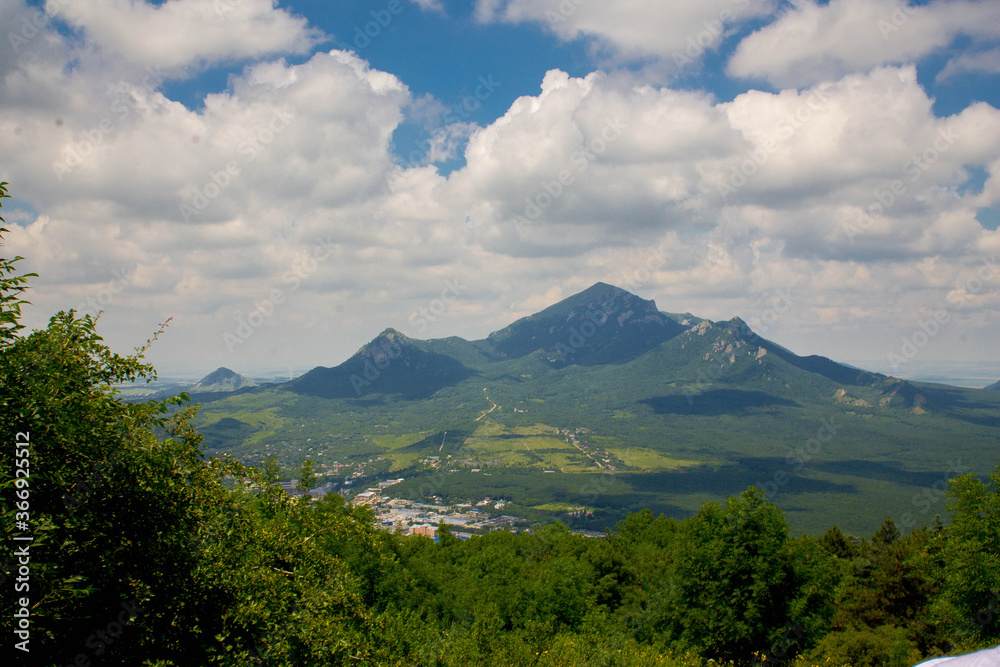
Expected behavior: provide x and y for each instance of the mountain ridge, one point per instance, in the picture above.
(639, 409)
(603, 324)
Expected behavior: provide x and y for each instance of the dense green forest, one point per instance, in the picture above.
(144, 551)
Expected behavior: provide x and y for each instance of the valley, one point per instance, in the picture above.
(605, 403)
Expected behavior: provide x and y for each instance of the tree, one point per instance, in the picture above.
(305, 476)
(970, 599)
(11, 287)
(112, 505)
(143, 553)
(730, 582)
(270, 470)
(836, 543)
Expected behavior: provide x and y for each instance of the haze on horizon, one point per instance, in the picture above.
(314, 174)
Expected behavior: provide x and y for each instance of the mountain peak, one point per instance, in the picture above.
(393, 335)
(391, 363)
(390, 343)
(601, 324)
(741, 328)
(604, 288)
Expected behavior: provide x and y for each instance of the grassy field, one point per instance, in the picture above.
(561, 507)
(536, 446)
(642, 458)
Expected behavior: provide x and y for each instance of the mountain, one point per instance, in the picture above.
(391, 363)
(603, 324)
(603, 401)
(222, 380)
(995, 386)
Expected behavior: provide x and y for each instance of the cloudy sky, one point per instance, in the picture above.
(285, 180)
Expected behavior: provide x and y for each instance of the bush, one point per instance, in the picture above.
(885, 646)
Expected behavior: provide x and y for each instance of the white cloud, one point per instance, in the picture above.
(430, 5)
(677, 30)
(987, 62)
(793, 166)
(318, 211)
(810, 42)
(180, 33)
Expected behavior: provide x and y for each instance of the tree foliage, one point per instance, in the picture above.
(11, 287)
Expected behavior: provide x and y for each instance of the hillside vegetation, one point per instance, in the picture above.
(146, 552)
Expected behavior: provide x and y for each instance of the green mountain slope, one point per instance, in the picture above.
(639, 409)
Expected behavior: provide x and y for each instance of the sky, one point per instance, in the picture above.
(283, 181)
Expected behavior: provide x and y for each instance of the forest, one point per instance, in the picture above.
(127, 545)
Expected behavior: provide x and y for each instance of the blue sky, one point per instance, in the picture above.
(444, 54)
(286, 180)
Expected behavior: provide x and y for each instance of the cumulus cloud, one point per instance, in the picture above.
(277, 204)
(204, 210)
(179, 33)
(677, 30)
(811, 42)
(591, 161)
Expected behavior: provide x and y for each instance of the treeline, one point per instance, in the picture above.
(145, 552)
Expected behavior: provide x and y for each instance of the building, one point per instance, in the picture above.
(426, 530)
(365, 497)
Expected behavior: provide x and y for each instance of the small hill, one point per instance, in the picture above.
(994, 387)
(222, 380)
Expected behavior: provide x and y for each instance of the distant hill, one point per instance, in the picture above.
(605, 402)
(222, 380)
(995, 386)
